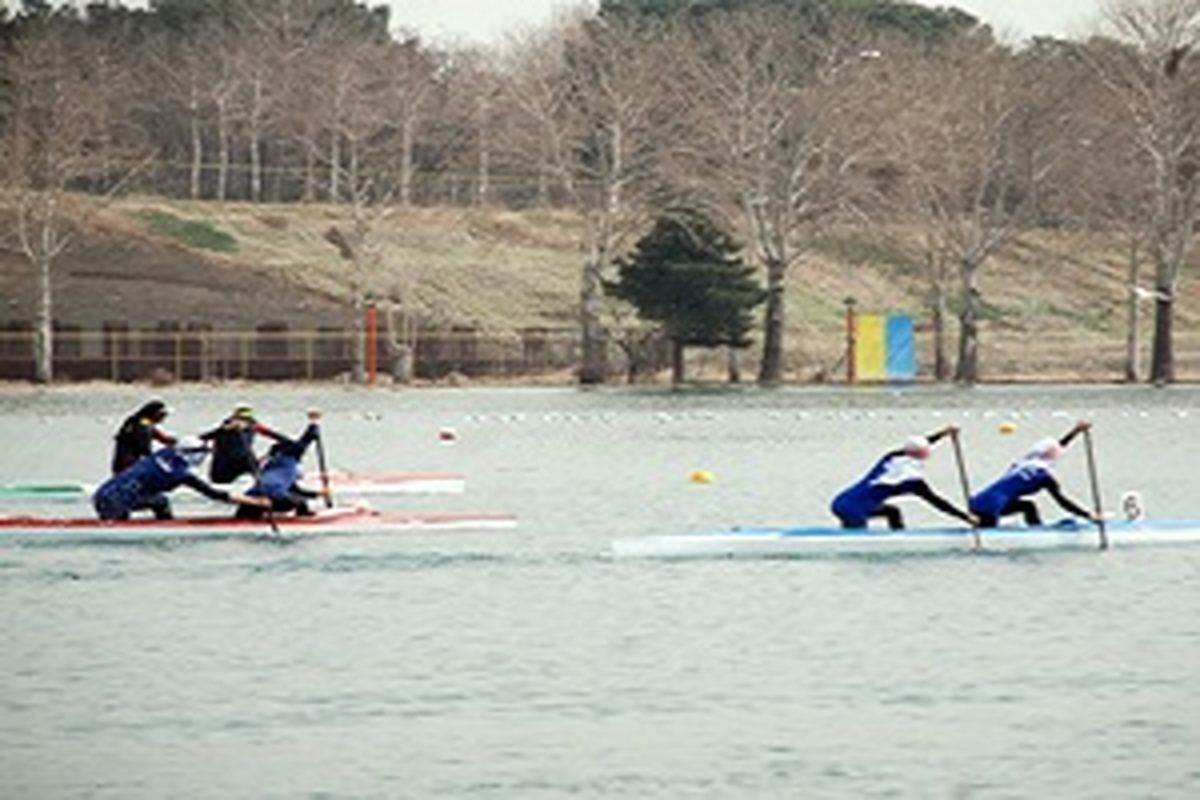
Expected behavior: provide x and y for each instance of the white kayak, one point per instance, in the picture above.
(775, 542)
(349, 483)
(326, 522)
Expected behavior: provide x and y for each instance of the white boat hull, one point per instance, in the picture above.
(769, 542)
(351, 484)
(326, 522)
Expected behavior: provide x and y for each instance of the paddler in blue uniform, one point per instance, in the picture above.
(145, 485)
(233, 445)
(137, 434)
(279, 478)
(898, 473)
(1033, 473)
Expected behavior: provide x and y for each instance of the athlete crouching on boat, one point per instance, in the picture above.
(1034, 472)
(900, 472)
(279, 478)
(137, 434)
(233, 445)
(145, 485)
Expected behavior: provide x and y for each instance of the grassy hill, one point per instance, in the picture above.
(1055, 302)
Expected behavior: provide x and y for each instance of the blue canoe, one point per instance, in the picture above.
(767, 542)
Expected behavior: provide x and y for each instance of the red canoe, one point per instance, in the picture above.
(347, 520)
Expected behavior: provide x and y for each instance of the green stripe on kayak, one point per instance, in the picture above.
(18, 489)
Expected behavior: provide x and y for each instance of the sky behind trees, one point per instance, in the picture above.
(1032, 17)
(485, 21)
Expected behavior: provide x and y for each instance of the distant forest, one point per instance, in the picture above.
(779, 117)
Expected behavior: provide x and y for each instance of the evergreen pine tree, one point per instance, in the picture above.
(685, 275)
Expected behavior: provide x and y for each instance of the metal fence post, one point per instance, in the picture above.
(114, 357)
(308, 354)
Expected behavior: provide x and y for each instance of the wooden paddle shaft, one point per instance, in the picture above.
(966, 489)
(1095, 480)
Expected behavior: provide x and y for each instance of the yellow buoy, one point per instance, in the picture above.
(1008, 427)
(700, 476)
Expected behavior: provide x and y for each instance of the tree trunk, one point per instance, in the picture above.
(936, 270)
(406, 163)
(310, 175)
(771, 370)
(594, 366)
(44, 341)
(256, 144)
(677, 362)
(632, 362)
(358, 350)
(222, 151)
(1162, 364)
(1132, 365)
(197, 143)
(734, 366)
(484, 188)
(335, 165)
(357, 286)
(968, 335)
(941, 363)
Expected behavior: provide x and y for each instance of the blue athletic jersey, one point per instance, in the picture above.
(149, 476)
(895, 474)
(1022, 479)
(282, 470)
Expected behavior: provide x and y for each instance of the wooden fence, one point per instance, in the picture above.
(275, 352)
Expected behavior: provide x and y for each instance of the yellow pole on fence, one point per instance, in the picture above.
(245, 355)
(178, 355)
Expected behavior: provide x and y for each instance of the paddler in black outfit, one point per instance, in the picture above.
(137, 434)
(233, 445)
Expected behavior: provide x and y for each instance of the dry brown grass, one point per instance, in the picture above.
(1055, 301)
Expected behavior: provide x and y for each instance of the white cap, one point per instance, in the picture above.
(916, 446)
(192, 449)
(1047, 449)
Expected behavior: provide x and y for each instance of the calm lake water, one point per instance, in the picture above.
(530, 664)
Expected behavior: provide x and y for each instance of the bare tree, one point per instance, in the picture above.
(617, 133)
(171, 89)
(780, 138)
(410, 87)
(471, 120)
(261, 53)
(53, 138)
(1106, 185)
(1153, 71)
(537, 133)
(956, 132)
(358, 244)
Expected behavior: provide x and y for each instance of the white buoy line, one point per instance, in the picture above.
(783, 416)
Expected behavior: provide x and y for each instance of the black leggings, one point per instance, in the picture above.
(158, 503)
(278, 506)
(1025, 507)
(895, 519)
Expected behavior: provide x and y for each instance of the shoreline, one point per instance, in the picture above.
(9, 388)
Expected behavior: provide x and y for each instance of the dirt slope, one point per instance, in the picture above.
(1054, 302)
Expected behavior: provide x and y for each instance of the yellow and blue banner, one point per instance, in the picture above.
(885, 347)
